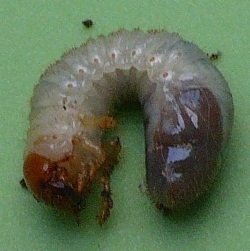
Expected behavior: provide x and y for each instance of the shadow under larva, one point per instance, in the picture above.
(188, 114)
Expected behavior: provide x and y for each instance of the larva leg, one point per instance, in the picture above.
(106, 201)
(112, 149)
(102, 122)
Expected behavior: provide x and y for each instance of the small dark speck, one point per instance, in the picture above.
(88, 23)
(214, 56)
(23, 183)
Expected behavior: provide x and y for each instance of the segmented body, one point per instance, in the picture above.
(188, 112)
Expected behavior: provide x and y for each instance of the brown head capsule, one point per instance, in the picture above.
(51, 183)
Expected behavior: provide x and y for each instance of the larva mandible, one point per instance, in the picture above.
(188, 113)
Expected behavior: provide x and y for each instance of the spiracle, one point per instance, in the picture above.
(188, 114)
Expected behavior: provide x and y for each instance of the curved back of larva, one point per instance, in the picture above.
(86, 74)
(165, 72)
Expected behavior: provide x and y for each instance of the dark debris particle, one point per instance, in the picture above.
(214, 56)
(88, 23)
(23, 184)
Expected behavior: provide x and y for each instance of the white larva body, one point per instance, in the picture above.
(182, 60)
(89, 80)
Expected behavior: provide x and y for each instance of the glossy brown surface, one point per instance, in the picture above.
(182, 159)
(51, 183)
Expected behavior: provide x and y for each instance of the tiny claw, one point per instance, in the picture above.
(23, 183)
(166, 211)
(104, 216)
(78, 221)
